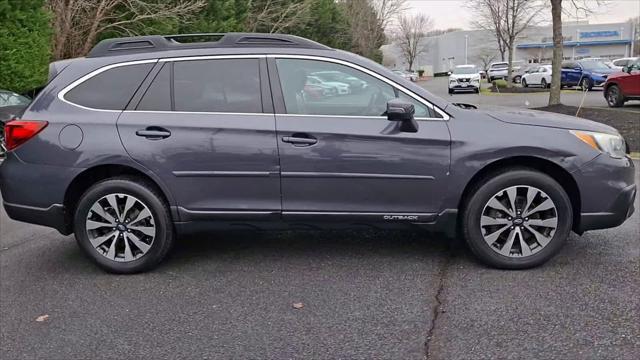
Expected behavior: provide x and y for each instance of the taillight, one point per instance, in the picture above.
(17, 132)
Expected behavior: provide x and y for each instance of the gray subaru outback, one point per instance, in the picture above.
(151, 137)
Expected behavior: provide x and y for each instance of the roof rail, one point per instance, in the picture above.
(153, 43)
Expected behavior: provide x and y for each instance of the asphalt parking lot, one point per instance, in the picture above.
(401, 295)
(572, 97)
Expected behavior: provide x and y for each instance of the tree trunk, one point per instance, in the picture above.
(510, 68)
(556, 65)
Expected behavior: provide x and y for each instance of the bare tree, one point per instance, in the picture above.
(486, 57)
(411, 29)
(584, 7)
(368, 20)
(506, 19)
(520, 14)
(276, 16)
(77, 23)
(556, 62)
(489, 16)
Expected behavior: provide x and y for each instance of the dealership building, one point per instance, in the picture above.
(581, 40)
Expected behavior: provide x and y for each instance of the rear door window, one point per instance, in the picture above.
(111, 89)
(217, 85)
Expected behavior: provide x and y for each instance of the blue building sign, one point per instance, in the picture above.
(599, 34)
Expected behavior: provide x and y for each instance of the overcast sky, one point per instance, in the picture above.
(452, 13)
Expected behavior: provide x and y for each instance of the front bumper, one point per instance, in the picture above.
(620, 210)
(608, 191)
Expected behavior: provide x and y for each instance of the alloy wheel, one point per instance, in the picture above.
(519, 221)
(120, 227)
(612, 96)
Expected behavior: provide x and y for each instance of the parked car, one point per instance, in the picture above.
(11, 105)
(623, 86)
(498, 70)
(605, 61)
(131, 146)
(540, 76)
(409, 75)
(522, 70)
(584, 73)
(619, 64)
(464, 78)
(340, 88)
(355, 84)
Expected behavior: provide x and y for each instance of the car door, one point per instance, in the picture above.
(571, 73)
(206, 126)
(341, 157)
(630, 83)
(534, 77)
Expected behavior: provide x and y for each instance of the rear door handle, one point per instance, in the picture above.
(300, 139)
(154, 133)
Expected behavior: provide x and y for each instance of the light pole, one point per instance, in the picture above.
(466, 44)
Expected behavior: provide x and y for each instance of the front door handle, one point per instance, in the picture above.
(154, 133)
(299, 139)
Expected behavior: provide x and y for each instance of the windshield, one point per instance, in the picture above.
(12, 99)
(593, 65)
(499, 66)
(465, 70)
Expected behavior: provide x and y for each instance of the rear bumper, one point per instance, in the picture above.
(52, 216)
(35, 193)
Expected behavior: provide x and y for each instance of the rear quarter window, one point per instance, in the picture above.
(111, 89)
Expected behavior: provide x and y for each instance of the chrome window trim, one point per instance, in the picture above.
(84, 78)
(408, 92)
(194, 112)
(63, 92)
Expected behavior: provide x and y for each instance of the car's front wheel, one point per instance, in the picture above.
(544, 84)
(517, 219)
(123, 225)
(614, 96)
(524, 83)
(585, 84)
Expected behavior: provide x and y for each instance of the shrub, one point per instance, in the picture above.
(500, 83)
(24, 44)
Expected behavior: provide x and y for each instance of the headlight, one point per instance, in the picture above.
(611, 144)
(452, 80)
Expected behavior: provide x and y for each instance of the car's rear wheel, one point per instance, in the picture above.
(614, 96)
(517, 219)
(585, 84)
(543, 83)
(124, 225)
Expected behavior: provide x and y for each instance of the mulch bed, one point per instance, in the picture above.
(626, 122)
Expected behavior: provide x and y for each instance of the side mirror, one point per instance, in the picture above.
(402, 111)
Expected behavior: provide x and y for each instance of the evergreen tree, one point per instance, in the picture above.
(25, 38)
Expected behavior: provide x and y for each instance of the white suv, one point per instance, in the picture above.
(498, 70)
(464, 77)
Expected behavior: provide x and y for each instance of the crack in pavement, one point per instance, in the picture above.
(437, 309)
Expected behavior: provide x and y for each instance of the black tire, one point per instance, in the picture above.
(544, 84)
(517, 79)
(614, 96)
(450, 91)
(485, 190)
(477, 90)
(524, 83)
(151, 198)
(586, 84)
